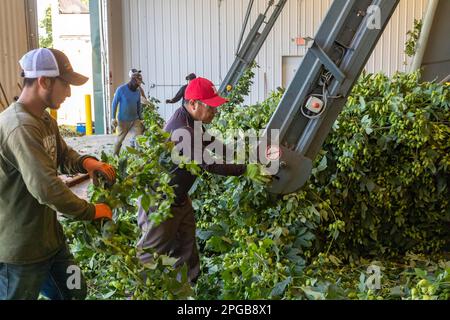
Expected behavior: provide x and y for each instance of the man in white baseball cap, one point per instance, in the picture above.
(126, 111)
(34, 256)
(50, 63)
(136, 74)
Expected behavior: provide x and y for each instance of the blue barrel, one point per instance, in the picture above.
(81, 128)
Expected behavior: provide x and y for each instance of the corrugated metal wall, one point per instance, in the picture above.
(13, 44)
(168, 39)
(389, 55)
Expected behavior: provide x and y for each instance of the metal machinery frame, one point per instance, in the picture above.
(252, 45)
(322, 84)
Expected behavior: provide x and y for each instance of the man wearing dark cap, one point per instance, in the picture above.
(176, 236)
(181, 93)
(34, 256)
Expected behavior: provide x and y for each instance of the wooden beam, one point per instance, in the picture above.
(77, 180)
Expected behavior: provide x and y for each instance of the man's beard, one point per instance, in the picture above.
(49, 102)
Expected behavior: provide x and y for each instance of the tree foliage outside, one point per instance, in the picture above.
(413, 38)
(46, 41)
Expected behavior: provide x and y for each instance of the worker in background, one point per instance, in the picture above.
(176, 236)
(181, 93)
(127, 110)
(34, 256)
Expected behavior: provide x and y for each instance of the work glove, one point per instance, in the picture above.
(257, 173)
(103, 211)
(168, 101)
(98, 169)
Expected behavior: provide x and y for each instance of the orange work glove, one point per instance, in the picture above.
(95, 168)
(102, 211)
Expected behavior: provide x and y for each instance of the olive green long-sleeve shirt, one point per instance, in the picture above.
(32, 152)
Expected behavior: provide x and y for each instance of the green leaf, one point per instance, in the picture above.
(420, 273)
(133, 151)
(370, 185)
(369, 130)
(362, 102)
(204, 234)
(146, 202)
(362, 282)
(217, 244)
(123, 165)
(104, 157)
(109, 295)
(335, 260)
(279, 289)
(322, 165)
(397, 292)
(168, 261)
(311, 294)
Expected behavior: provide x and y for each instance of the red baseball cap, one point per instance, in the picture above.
(204, 90)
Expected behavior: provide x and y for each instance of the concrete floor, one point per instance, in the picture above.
(92, 145)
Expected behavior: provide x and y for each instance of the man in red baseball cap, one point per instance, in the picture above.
(177, 235)
(204, 100)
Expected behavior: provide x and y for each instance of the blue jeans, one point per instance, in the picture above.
(57, 279)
